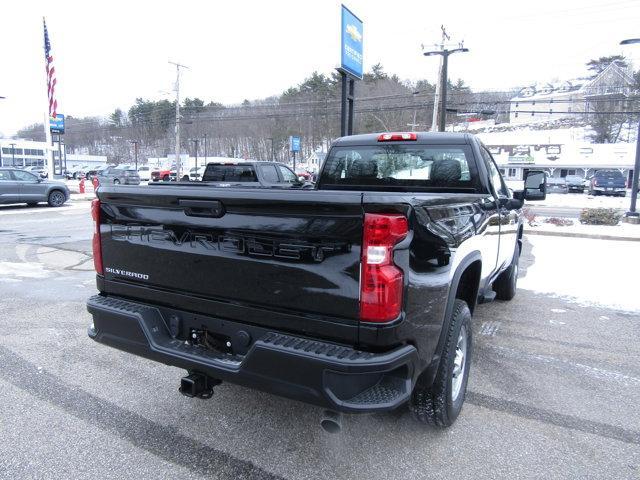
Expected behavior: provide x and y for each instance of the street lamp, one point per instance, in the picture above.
(135, 150)
(636, 168)
(443, 80)
(13, 154)
(272, 151)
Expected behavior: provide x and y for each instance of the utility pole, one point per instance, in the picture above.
(135, 151)
(441, 97)
(178, 162)
(196, 141)
(436, 100)
(272, 151)
(13, 154)
(205, 149)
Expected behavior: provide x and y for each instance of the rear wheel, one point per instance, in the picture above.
(440, 404)
(116, 181)
(506, 284)
(56, 198)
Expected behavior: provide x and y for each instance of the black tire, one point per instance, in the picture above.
(56, 198)
(435, 405)
(506, 284)
(116, 181)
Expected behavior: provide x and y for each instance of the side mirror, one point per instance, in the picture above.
(39, 180)
(535, 185)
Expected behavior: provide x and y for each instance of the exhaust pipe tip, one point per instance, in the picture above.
(331, 422)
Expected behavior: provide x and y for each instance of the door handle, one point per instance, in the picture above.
(202, 208)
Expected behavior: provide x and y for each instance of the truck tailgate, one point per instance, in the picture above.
(297, 252)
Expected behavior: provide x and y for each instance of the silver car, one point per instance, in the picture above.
(20, 186)
(122, 174)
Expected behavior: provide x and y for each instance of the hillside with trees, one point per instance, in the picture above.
(260, 129)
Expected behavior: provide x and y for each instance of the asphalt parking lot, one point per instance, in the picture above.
(553, 391)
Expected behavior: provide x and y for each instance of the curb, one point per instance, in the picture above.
(582, 235)
(86, 199)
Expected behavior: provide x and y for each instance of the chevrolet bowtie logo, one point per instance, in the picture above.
(354, 33)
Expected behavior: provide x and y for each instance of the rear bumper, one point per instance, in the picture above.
(316, 372)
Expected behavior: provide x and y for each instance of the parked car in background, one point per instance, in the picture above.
(122, 174)
(608, 182)
(195, 173)
(251, 174)
(144, 172)
(161, 174)
(77, 171)
(575, 183)
(90, 174)
(38, 170)
(20, 186)
(557, 185)
(304, 174)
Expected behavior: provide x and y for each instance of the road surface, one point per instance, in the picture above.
(553, 391)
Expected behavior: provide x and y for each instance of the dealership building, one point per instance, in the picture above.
(25, 153)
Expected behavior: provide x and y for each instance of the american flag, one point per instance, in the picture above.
(51, 73)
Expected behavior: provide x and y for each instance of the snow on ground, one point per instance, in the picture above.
(582, 200)
(624, 230)
(12, 271)
(588, 272)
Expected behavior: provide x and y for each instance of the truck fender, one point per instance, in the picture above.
(430, 372)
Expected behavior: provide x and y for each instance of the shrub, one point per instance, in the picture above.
(559, 222)
(600, 216)
(529, 216)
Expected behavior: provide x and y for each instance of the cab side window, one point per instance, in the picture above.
(494, 174)
(269, 173)
(23, 176)
(287, 175)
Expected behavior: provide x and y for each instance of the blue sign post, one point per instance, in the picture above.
(294, 146)
(56, 124)
(351, 44)
(351, 65)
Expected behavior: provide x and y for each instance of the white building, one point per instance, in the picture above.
(544, 102)
(560, 160)
(25, 153)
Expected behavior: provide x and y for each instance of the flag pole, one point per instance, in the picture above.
(47, 129)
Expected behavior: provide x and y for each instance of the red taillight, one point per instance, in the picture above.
(381, 282)
(397, 137)
(96, 243)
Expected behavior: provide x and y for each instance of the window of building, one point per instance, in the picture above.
(512, 172)
(11, 151)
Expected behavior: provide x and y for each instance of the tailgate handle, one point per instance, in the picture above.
(202, 208)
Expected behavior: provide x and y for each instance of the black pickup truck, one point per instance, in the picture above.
(355, 296)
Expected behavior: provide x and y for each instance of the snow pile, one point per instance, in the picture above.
(601, 273)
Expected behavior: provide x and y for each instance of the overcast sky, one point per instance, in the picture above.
(108, 53)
